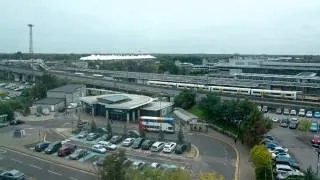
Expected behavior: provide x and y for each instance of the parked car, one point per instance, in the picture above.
(302, 112)
(181, 148)
(286, 111)
(169, 147)
(78, 154)
(259, 108)
(146, 145)
(41, 146)
(290, 175)
(155, 165)
(284, 123)
(128, 142)
(53, 147)
(281, 168)
(315, 141)
(271, 145)
(309, 114)
(17, 122)
(133, 134)
(287, 161)
(82, 134)
(116, 139)
(12, 175)
(106, 137)
(265, 109)
(137, 143)
(293, 123)
(268, 136)
(157, 146)
(265, 141)
(92, 136)
(82, 124)
(280, 154)
(66, 149)
(138, 165)
(317, 114)
(99, 149)
(100, 161)
(293, 112)
(278, 110)
(314, 126)
(275, 119)
(277, 149)
(108, 145)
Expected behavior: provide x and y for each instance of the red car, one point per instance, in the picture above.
(315, 141)
(66, 149)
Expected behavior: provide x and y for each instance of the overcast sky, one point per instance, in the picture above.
(162, 26)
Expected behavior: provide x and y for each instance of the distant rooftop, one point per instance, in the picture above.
(49, 101)
(116, 57)
(113, 99)
(69, 88)
(125, 101)
(156, 106)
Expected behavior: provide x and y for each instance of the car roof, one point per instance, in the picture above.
(157, 143)
(283, 166)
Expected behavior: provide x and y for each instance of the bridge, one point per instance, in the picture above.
(132, 87)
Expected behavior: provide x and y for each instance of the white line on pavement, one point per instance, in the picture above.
(52, 172)
(72, 178)
(16, 160)
(34, 166)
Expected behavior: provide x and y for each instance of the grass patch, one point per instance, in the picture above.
(196, 111)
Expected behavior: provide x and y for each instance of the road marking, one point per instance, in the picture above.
(34, 166)
(16, 160)
(52, 172)
(57, 163)
(72, 178)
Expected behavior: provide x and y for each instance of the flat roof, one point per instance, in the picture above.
(69, 88)
(158, 105)
(134, 101)
(117, 98)
(49, 101)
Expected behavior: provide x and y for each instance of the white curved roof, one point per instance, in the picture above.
(115, 57)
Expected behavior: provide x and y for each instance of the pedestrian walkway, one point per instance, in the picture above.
(245, 167)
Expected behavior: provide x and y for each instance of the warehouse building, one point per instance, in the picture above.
(59, 98)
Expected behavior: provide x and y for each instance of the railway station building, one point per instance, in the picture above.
(124, 107)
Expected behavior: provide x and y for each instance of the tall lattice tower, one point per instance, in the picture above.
(30, 38)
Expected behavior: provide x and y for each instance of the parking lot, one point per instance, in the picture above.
(144, 157)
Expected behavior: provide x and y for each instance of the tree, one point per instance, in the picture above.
(185, 99)
(309, 174)
(180, 135)
(5, 108)
(114, 166)
(304, 125)
(109, 128)
(161, 135)
(156, 174)
(262, 161)
(210, 176)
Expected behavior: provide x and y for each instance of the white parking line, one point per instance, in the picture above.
(34, 166)
(52, 172)
(16, 160)
(72, 178)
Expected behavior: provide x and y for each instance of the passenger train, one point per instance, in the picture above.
(231, 90)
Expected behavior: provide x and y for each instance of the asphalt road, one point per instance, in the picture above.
(214, 155)
(37, 169)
